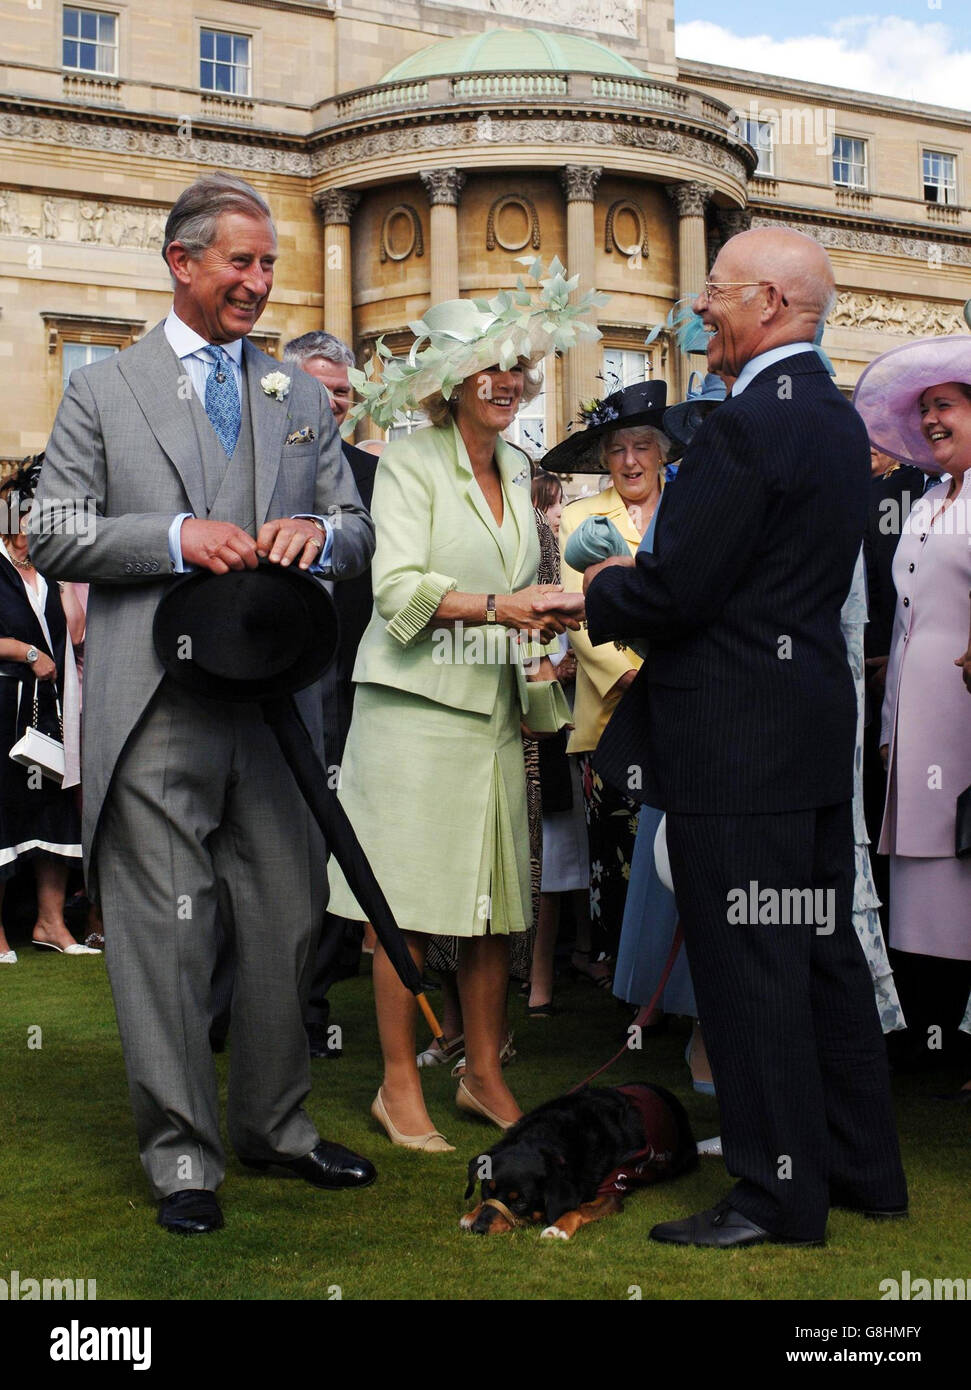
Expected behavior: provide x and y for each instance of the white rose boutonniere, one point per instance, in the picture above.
(276, 384)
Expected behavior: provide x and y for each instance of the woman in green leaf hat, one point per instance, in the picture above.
(432, 776)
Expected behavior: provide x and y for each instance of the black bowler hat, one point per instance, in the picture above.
(641, 404)
(247, 635)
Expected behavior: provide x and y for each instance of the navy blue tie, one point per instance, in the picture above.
(222, 398)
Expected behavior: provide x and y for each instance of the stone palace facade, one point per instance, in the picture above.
(413, 150)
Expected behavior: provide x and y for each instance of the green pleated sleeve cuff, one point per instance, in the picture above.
(411, 621)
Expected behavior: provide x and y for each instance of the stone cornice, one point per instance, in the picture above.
(798, 88)
(827, 217)
(864, 234)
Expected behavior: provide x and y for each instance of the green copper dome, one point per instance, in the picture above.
(511, 50)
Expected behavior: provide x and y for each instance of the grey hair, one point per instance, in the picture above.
(658, 437)
(317, 344)
(195, 214)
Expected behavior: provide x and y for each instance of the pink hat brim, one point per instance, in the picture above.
(888, 393)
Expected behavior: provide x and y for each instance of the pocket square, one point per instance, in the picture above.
(303, 436)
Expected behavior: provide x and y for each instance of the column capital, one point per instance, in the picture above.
(336, 205)
(443, 186)
(580, 181)
(733, 220)
(690, 199)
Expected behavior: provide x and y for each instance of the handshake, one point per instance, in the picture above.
(543, 609)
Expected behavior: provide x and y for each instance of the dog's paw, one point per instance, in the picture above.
(466, 1222)
(553, 1232)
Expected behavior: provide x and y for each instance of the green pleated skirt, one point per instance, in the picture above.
(437, 797)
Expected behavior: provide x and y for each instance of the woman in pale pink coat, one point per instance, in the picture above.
(916, 401)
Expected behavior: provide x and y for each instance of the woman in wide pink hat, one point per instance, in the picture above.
(916, 402)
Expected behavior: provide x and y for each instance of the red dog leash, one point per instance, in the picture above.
(644, 1013)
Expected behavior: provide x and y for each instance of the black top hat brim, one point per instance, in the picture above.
(641, 404)
(248, 635)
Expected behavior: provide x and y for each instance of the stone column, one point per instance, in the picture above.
(690, 199)
(581, 365)
(443, 187)
(336, 206)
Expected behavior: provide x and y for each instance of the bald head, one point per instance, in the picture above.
(797, 264)
(778, 285)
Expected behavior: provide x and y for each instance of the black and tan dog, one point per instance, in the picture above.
(571, 1160)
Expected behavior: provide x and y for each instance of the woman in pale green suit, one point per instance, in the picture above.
(432, 776)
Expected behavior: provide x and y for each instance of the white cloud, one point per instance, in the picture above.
(894, 57)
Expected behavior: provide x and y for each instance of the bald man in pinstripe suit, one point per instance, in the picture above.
(741, 725)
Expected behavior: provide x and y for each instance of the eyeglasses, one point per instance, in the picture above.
(713, 286)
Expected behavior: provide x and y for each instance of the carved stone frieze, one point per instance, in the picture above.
(117, 139)
(397, 140)
(91, 220)
(595, 16)
(914, 247)
(443, 186)
(883, 313)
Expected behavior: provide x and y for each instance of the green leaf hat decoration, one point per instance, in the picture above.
(460, 337)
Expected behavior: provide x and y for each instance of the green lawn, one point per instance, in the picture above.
(75, 1203)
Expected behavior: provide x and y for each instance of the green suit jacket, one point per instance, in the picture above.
(434, 533)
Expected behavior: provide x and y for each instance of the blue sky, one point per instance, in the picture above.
(917, 49)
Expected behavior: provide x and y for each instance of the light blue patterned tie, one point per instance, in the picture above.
(222, 398)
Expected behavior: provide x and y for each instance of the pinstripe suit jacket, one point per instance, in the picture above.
(745, 703)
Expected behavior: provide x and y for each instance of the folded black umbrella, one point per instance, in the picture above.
(259, 636)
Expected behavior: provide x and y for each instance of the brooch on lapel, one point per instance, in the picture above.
(303, 436)
(276, 384)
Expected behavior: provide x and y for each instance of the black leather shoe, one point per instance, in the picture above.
(721, 1226)
(192, 1211)
(327, 1165)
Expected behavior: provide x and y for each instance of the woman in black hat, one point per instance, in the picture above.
(623, 437)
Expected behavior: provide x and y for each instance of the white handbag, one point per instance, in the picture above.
(35, 749)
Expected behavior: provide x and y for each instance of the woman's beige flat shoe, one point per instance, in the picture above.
(431, 1143)
(465, 1100)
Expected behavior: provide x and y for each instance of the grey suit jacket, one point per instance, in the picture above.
(121, 463)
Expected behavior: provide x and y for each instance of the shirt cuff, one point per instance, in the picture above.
(410, 621)
(179, 565)
(322, 563)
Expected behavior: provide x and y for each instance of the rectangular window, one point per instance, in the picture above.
(849, 162)
(80, 355)
(224, 62)
(622, 367)
(90, 41)
(940, 177)
(759, 136)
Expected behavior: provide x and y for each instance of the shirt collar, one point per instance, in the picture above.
(765, 359)
(185, 341)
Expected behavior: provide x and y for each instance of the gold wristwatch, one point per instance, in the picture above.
(490, 608)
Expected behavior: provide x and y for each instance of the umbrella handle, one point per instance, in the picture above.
(431, 1020)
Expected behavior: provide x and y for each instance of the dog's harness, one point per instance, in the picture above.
(511, 1217)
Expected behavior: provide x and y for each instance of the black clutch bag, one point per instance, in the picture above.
(962, 825)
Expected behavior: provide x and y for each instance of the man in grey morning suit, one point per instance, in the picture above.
(189, 460)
